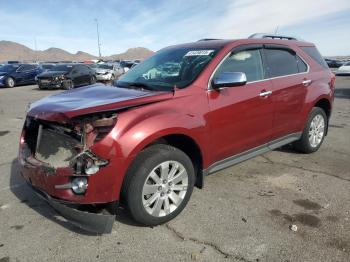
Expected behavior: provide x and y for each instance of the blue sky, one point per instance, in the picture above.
(69, 24)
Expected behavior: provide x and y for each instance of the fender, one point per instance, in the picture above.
(317, 91)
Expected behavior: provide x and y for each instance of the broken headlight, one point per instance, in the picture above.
(87, 163)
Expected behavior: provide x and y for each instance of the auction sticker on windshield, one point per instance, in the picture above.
(199, 52)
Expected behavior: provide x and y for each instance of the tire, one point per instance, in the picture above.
(312, 139)
(68, 85)
(140, 178)
(92, 80)
(10, 82)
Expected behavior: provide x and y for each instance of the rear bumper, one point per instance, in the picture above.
(100, 223)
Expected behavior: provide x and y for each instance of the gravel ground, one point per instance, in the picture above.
(244, 213)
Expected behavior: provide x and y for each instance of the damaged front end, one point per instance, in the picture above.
(59, 162)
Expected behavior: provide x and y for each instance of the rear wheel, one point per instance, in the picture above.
(159, 184)
(92, 80)
(314, 132)
(10, 82)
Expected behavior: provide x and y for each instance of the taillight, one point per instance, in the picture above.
(22, 138)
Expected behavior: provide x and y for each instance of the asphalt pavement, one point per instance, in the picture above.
(281, 206)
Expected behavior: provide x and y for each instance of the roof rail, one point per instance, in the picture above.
(273, 36)
(208, 39)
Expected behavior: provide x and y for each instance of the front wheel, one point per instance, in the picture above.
(10, 82)
(314, 132)
(159, 184)
(92, 80)
(67, 85)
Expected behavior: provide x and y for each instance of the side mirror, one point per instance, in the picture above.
(229, 79)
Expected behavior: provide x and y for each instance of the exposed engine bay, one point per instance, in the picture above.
(68, 145)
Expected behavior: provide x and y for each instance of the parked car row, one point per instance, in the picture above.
(344, 69)
(61, 75)
(335, 63)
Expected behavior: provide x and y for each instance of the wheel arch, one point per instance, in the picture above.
(326, 106)
(180, 140)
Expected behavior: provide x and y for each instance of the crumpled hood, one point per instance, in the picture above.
(52, 74)
(91, 99)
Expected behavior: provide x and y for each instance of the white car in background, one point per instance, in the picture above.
(344, 69)
(108, 72)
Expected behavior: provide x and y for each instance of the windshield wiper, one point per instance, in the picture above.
(138, 85)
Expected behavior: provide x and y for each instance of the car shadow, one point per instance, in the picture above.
(27, 196)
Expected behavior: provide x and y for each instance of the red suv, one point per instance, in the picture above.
(186, 112)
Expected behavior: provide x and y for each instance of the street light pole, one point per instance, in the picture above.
(98, 39)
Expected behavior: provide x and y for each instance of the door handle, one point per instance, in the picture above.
(265, 93)
(306, 82)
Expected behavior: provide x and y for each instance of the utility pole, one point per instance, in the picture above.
(276, 30)
(36, 50)
(98, 39)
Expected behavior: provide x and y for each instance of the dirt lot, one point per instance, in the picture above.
(243, 213)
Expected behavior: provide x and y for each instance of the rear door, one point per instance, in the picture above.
(288, 74)
(21, 74)
(240, 117)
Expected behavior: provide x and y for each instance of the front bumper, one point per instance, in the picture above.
(50, 83)
(100, 223)
(47, 179)
(107, 77)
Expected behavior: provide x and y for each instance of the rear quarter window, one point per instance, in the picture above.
(315, 55)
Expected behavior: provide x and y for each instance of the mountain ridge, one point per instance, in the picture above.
(10, 50)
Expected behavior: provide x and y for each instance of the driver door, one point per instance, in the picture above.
(240, 117)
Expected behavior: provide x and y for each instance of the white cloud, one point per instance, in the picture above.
(244, 17)
(125, 24)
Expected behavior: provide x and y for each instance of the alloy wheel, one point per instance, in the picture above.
(165, 188)
(316, 130)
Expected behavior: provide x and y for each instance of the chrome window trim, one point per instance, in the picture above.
(209, 88)
(25, 70)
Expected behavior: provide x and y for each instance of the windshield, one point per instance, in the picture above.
(8, 68)
(169, 68)
(64, 68)
(47, 66)
(102, 66)
(93, 65)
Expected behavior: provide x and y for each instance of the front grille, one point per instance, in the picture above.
(51, 143)
(55, 149)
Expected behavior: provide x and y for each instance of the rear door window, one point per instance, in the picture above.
(247, 61)
(281, 62)
(24, 68)
(315, 55)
